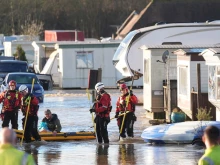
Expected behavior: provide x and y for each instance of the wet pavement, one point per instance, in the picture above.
(72, 108)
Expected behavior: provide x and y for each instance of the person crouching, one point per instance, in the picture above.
(53, 123)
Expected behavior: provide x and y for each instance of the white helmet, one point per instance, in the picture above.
(23, 88)
(99, 86)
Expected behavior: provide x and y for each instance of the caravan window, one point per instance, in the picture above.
(183, 77)
(84, 60)
(146, 71)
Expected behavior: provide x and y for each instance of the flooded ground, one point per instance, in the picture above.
(72, 108)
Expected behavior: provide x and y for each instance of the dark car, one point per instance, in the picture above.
(25, 79)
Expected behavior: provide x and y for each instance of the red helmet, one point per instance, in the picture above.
(123, 86)
(12, 83)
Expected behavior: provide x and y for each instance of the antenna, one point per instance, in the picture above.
(165, 56)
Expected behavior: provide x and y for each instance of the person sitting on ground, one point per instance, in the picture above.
(211, 139)
(53, 123)
(8, 153)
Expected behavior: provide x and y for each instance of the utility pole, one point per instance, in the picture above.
(168, 88)
(198, 84)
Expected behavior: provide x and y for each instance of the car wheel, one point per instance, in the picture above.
(198, 142)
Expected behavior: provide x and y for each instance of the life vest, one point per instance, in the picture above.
(103, 105)
(33, 105)
(121, 103)
(11, 100)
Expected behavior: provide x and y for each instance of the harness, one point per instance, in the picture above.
(25, 102)
(108, 107)
(8, 102)
(122, 107)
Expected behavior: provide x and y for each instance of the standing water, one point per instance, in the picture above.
(72, 108)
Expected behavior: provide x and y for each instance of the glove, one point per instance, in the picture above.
(17, 108)
(116, 114)
(92, 110)
(98, 97)
(131, 93)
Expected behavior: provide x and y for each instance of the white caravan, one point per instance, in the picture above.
(70, 62)
(129, 57)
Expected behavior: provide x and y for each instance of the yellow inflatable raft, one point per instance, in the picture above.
(48, 136)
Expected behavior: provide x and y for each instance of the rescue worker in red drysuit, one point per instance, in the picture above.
(31, 128)
(102, 109)
(130, 117)
(11, 100)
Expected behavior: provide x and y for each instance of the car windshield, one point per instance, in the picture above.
(13, 67)
(23, 79)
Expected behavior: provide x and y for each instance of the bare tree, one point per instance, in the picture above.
(32, 28)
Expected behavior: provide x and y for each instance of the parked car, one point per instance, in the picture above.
(26, 79)
(189, 132)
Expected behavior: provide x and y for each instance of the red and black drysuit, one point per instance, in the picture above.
(11, 104)
(32, 118)
(102, 110)
(130, 117)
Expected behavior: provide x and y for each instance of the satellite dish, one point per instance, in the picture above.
(165, 56)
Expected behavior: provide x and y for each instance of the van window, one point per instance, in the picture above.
(13, 67)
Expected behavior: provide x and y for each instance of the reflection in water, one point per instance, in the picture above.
(102, 154)
(171, 154)
(52, 156)
(126, 154)
(87, 152)
(33, 150)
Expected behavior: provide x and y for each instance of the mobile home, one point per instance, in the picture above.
(11, 42)
(75, 59)
(42, 51)
(154, 77)
(156, 74)
(212, 58)
(11, 46)
(188, 71)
